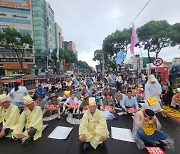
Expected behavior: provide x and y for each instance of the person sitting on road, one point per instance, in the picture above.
(175, 102)
(84, 105)
(41, 101)
(83, 91)
(118, 98)
(129, 103)
(30, 122)
(53, 105)
(107, 92)
(71, 104)
(147, 126)
(108, 103)
(67, 93)
(9, 116)
(38, 91)
(93, 127)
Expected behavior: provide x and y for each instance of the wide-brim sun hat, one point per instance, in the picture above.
(152, 78)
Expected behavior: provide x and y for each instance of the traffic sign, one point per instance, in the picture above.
(158, 61)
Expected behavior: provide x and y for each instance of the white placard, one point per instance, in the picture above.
(60, 133)
(122, 134)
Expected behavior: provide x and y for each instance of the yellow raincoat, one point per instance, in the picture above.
(30, 119)
(93, 126)
(10, 116)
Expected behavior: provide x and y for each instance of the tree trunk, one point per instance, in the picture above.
(157, 54)
(20, 59)
(150, 59)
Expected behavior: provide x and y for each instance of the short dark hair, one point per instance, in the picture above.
(129, 91)
(149, 112)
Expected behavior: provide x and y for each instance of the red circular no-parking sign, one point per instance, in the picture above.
(158, 61)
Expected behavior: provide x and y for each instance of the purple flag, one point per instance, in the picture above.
(134, 40)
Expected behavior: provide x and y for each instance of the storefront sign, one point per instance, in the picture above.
(16, 5)
(14, 66)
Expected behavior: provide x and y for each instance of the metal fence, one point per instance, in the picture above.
(29, 83)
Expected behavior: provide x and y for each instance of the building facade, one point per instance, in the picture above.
(69, 45)
(40, 32)
(58, 36)
(50, 28)
(134, 63)
(15, 14)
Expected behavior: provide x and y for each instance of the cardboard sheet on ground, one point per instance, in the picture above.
(60, 133)
(121, 134)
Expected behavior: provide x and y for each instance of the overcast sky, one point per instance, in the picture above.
(88, 22)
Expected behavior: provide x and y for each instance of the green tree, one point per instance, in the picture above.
(17, 42)
(113, 43)
(175, 36)
(67, 55)
(83, 65)
(156, 35)
(98, 56)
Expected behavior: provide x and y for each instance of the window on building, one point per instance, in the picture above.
(20, 21)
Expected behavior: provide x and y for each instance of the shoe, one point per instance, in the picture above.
(25, 141)
(162, 143)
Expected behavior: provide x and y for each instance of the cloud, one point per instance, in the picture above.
(88, 22)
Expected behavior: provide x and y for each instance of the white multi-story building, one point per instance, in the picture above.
(176, 61)
(50, 27)
(58, 36)
(135, 63)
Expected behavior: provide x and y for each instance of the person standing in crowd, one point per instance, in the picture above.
(118, 98)
(30, 122)
(147, 126)
(129, 102)
(167, 95)
(38, 91)
(153, 89)
(93, 127)
(17, 93)
(9, 116)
